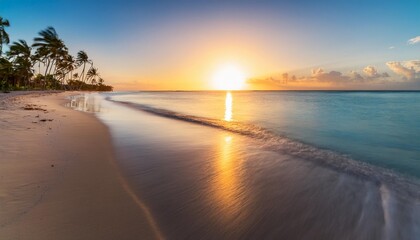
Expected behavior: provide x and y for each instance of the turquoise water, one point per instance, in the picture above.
(269, 165)
(381, 128)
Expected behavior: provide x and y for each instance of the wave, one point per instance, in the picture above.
(405, 186)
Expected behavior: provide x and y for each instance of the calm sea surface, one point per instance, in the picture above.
(270, 165)
(382, 128)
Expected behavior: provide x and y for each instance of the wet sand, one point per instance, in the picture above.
(58, 178)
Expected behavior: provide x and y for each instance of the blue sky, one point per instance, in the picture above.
(176, 44)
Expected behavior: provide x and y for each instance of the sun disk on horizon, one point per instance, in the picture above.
(229, 77)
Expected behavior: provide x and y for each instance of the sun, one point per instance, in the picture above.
(229, 77)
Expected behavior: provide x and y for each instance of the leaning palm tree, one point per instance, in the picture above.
(82, 59)
(21, 55)
(40, 57)
(50, 49)
(44, 44)
(20, 49)
(65, 67)
(70, 65)
(4, 37)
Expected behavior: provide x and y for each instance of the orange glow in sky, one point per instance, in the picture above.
(274, 45)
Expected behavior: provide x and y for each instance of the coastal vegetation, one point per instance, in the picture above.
(45, 64)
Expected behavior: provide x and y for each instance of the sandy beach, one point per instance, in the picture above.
(58, 175)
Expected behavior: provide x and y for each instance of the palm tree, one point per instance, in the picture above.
(6, 73)
(92, 74)
(65, 66)
(17, 67)
(50, 48)
(4, 37)
(21, 55)
(82, 59)
(70, 65)
(40, 57)
(73, 83)
(20, 49)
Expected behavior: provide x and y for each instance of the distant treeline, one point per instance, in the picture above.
(46, 64)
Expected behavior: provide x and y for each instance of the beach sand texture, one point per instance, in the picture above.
(58, 179)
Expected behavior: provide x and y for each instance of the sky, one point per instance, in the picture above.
(182, 45)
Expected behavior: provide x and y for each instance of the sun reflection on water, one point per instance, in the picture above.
(228, 191)
(228, 107)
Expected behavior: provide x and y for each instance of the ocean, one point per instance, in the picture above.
(270, 164)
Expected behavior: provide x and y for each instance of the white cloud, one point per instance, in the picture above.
(391, 47)
(409, 69)
(371, 72)
(415, 64)
(414, 40)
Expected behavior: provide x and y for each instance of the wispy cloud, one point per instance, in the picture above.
(414, 40)
(391, 47)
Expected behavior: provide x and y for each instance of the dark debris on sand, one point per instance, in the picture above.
(32, 107)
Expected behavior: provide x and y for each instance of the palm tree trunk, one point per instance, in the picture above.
(52, 65)
(45, 74)
(46, 67)
(83, 72)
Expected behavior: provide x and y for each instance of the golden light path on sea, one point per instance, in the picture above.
(228, 107)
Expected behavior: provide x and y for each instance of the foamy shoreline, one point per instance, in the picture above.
(201, 178)
(58, 176)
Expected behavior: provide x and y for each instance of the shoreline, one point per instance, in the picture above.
(206, 181)
(59, 176)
